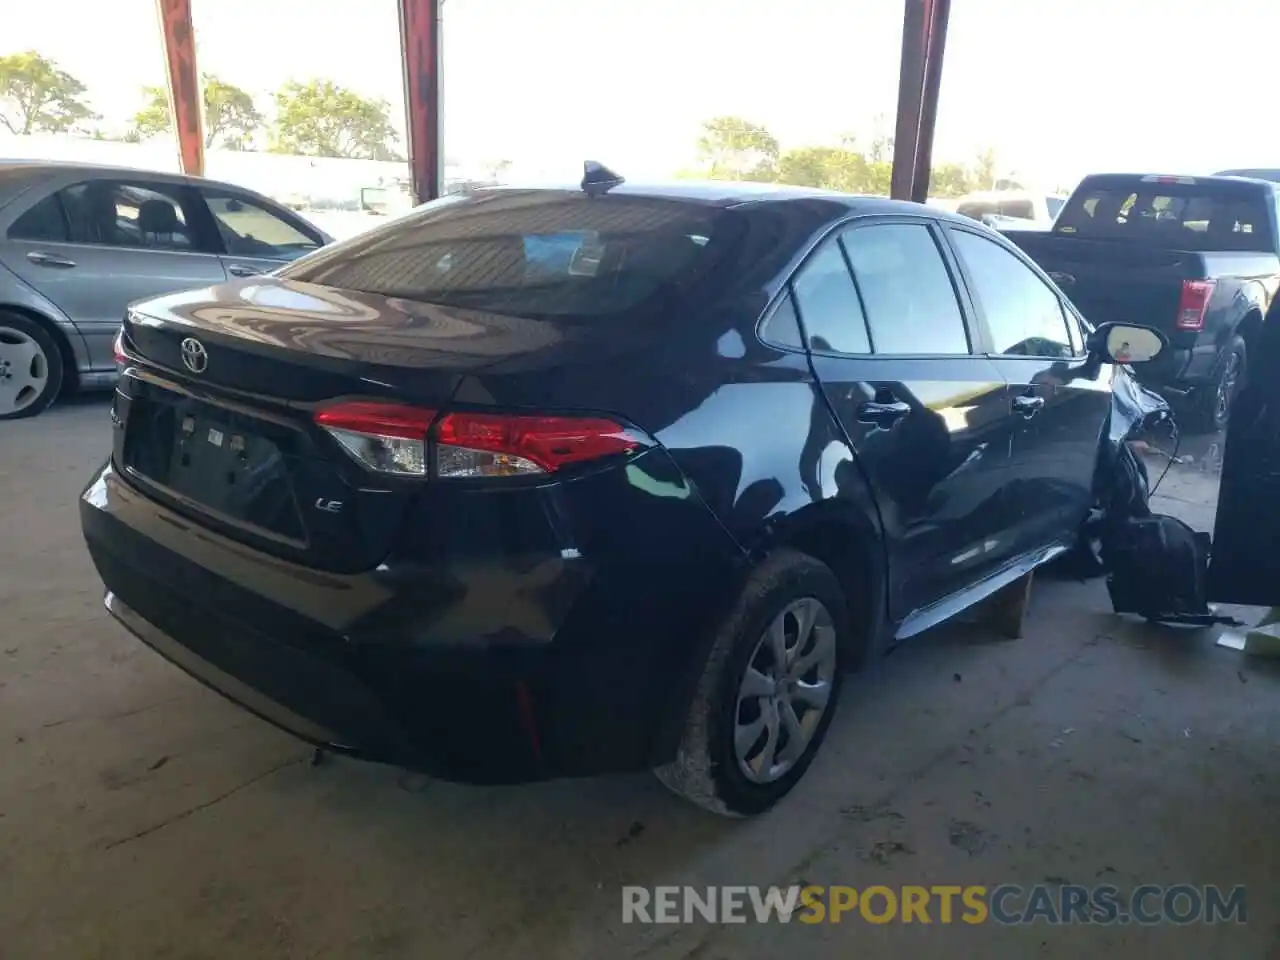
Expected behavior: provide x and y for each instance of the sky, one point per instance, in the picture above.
(1058, 88)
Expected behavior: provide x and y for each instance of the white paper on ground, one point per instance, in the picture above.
(1262, 641)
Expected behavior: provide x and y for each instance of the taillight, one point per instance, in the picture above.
(493, 445)
(399, 440)
(386, 437)
(117, 349)
(1194, 304)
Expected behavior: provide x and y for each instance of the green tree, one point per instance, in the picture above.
(229, 114)
(153, 119)
(809, 166)
(731, 148)
(879, 177)
(951, 180)
(129, 136)
(955, 180)
(36, 96)
(322, 119)
(831, 168)
(230, 117)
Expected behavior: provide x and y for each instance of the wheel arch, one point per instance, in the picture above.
(852, 546)
(1249, 328)
(834, 532)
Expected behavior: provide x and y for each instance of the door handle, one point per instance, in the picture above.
(883, 414)
(1027, 406)
(40, 258)
(240, 270)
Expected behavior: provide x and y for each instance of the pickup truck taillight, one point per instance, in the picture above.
(1194, 304)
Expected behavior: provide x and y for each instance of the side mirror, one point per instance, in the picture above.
(1127, 343)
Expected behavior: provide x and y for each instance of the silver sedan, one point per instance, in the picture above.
(79, 243)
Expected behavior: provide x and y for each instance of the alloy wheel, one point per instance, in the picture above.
(785, 691)
(24, 370)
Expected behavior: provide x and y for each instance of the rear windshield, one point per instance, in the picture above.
(1020, 208)
(1182, 216)
(531, 253)
(977, 209)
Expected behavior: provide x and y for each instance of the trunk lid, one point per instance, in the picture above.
(301, 343)
(226, 435)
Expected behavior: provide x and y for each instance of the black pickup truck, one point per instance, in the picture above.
(1195, 257)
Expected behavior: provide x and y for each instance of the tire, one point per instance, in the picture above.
(1211, 410)
(31, 370)
(707, 769)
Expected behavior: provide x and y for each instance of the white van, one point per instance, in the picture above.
(999, 207)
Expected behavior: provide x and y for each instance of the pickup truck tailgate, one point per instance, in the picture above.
(1112, 280)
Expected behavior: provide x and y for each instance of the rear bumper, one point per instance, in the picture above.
(381, 665)
(189, 659)
(370, 700)
(1179, 369)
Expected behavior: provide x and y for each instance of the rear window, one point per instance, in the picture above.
(1182, 216)
(1254, 174)
(1022, 209)
(977, 209)
(532, 253)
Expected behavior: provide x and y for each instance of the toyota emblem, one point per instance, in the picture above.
(194, 356)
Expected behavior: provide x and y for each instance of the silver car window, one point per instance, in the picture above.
(116, 214)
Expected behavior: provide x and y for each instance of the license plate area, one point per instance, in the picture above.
(216, 460)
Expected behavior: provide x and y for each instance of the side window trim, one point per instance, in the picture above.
(204, 192)
(1064, 308)
(200, 218)
(785, 292)
(772, 312)
(830, 238)
(974, 326)
(950, 263)
(175, 192)
(56, 197)
(857, 289)
(1074, 330)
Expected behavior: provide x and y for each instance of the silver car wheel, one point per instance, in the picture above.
(24, 370)
(785, 690)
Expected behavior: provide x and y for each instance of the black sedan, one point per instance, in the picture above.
(550, 482)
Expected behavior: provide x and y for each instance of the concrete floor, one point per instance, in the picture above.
(142, 816)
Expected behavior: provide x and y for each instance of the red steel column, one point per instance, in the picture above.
(929, 99)
(906, 137)
(420, 50)
(183, 81)
(924, 29)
